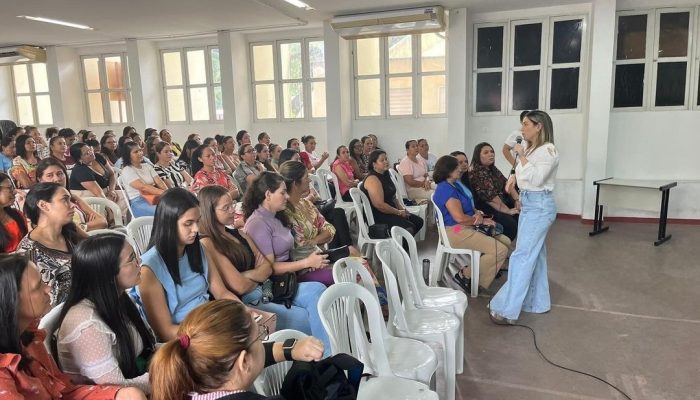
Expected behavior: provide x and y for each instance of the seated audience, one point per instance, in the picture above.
(249, 168)
(489, 185)
(244, 269)
(185, 159)
(343, 169)
(42, 147)
(60, 151)
(375, 140)
(24, 165)
(7, 154)
(128, 130)
(140, 179)
(288, 154)
(51, 132)
(69, 135)
(218, 352)
(455, 202)
(242, 137)
(102, 338)
(150, 148)
(293, 144)
(85, 218)
(424, 152)
(195, 137)
(148, 133)
(275, 151)
(356, 161)
(218, 162)
(263, 157)
(29, 372)
(175, 273)
(367, 149)
(308, 157)
(136, 138)
(414, 170)
(86, 135)
(381, 192)
(90, 177)
(228, 152)
(109, 148)
(264, 138)
(50, 244)
(168, 138)
(169, 172)
(206, 174)
(13, 224)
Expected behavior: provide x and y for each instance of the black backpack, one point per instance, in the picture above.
(323, 380)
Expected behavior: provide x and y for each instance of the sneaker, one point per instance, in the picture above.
(464, 283)
(501, 320)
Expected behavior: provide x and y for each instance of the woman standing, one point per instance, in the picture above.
(489, 186)
(28, 371)
(206, 174)
(527, 288)
(102, 338)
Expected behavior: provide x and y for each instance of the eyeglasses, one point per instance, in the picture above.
(228, 208)
(250, 151)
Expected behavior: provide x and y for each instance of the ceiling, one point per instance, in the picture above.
(115, 21)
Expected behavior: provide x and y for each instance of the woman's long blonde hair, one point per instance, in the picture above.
(200, 359)
(546, 135)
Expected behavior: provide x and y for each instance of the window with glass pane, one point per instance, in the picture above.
(367, 56)
(401, 96)
(290, 60)
(369, 97)
(432, 52)
(175, 99)
(629, 85)
(218, 103)
(318, 99)
(670, 84)
(263, 63)
(41, 80)
(489, 53)
(21, 77)
(317, 60)
(196, 67)
(117, 106)
(433, 94)
(400, 52)
(566, 47)
(114, 72)
(528, 44)
(673, 34)
(92, 73)
(199, 104)
(564, 90)
(265, 105)
(526, 85)
(25, 111)
(215, 65)
(293, 100)
(488, 91)
(631, 37)
(43, 109)
(172, 68)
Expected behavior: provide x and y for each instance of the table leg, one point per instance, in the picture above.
(598, 219)
(663, 218)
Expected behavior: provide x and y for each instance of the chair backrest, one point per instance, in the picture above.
(321, 186)
(365, 218)
(49, 323)
(269, 382)
(100, 205)
(348, 269)
(440, 222)
(139, 229)
(390, 257)
(339, 308)
(415, 267)
(399, 183)
(121, 184)
(330, 175)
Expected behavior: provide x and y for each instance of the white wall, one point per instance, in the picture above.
(7, 108)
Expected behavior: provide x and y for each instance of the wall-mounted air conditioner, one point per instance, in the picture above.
(386, 23)
(23, 53)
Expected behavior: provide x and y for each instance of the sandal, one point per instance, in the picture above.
(462, 282)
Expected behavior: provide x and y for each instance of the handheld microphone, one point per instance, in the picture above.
(519, 139)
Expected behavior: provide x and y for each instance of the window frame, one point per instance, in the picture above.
(545, 67)
(278, 81)
(651, 60)
(385, 75)
(104, 89)
(186, 86)
(32, 94)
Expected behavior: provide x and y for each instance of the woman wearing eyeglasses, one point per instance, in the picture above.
(217, 354)
(249, 168)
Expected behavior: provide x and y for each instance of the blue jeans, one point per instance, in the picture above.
(142, 208)
(527, 288)
(303, 316)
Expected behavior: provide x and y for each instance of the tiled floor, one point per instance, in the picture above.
(622, 309)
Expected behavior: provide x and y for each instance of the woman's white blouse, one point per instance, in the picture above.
(540, 171)
(87, 349)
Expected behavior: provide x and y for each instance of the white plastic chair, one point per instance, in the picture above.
(365, 219)
(269, 382)
(121, 184)
(419, 210)
(321, 187)
(118, 232)
(100, 205)
(436, 328)
(424, 296)
(393, 388)
(49, 323)
(347, 206)
(383, 354)
(139, 229)
(444, 251)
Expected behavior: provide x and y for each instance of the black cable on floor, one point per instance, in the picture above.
(534, 339)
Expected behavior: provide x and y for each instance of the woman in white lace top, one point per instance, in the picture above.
(102, 338)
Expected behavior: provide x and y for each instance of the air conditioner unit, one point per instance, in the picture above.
(387, 23)
(23, 53)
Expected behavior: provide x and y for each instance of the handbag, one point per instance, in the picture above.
(280, 289)
(152, 199)
(325, 206)
(379, 231)
(337, 253)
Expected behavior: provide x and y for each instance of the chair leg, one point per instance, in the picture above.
(475, 274)
(437, 270)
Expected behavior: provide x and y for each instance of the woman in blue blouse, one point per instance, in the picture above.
(456, 203)
(176, 277)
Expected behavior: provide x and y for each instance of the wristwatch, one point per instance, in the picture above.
(287, 347)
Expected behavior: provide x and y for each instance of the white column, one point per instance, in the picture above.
(233, 59)
(146, 87)
(458, 78)
(67, 98)
(338, 88)
(599, 102)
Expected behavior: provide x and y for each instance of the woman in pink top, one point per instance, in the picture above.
(344, 171)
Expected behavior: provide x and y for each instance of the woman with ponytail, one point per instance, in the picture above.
(218, 353)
